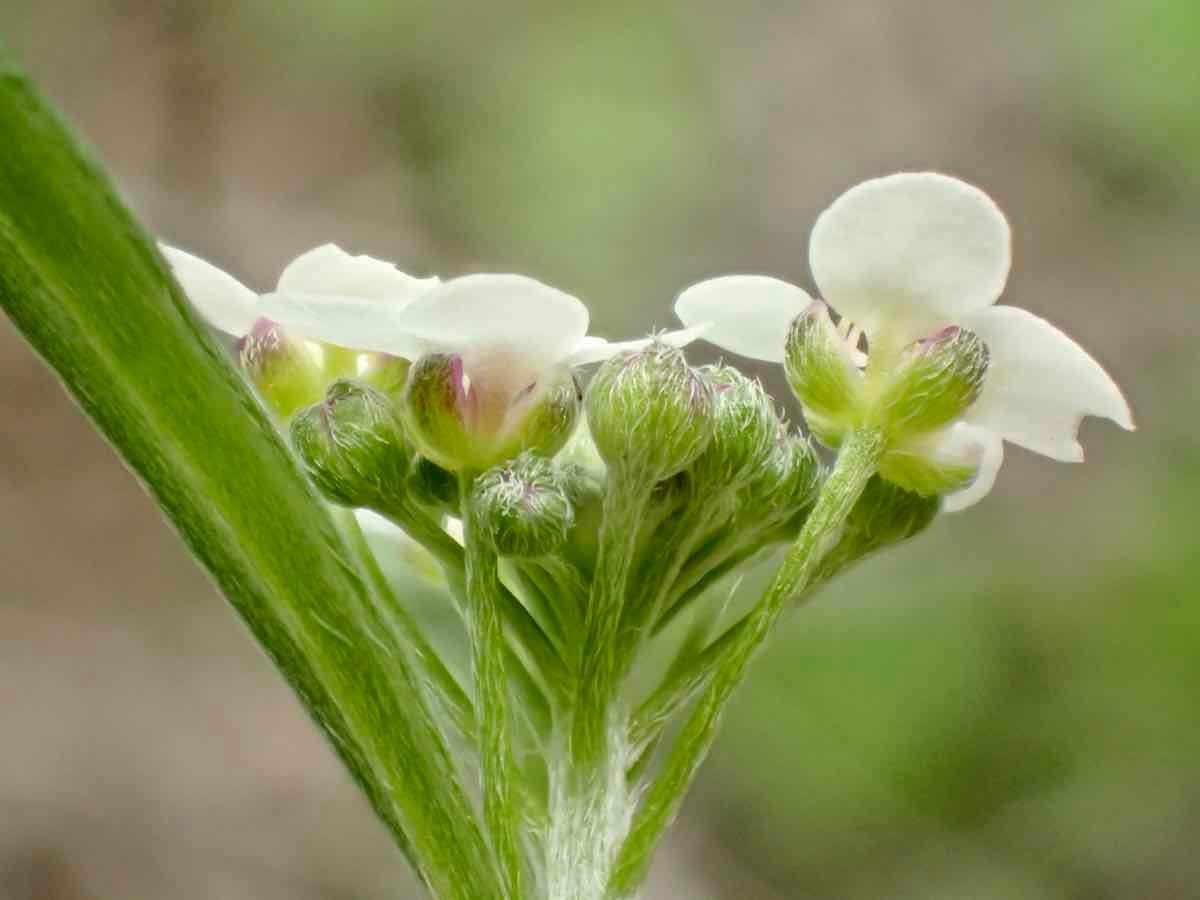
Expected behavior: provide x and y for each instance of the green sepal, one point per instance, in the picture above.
(915, 469)
(281, 367)
(822, 373)
(936, 381)
(464, 428)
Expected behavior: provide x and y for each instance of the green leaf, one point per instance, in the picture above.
(82, 283)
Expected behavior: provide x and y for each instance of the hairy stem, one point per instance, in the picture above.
(499, 774)
(589, 797)
(856, 463)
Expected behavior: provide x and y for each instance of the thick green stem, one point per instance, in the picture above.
(856, 463)
(499, 774)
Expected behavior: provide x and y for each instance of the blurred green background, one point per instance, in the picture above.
(1007, 708)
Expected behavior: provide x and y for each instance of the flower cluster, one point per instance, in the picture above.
(912, 263)
(575, 526)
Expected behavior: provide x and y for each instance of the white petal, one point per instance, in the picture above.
(910, 252)
(1040, 384)
(509, 313)
(987, 449)
(596, 349)
(346, 321)
(592, 349)
(746, 314)
(224, 301)
(329, 269)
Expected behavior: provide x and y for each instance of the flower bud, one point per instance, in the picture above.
(352, 445)
(745, 429)
(822, 371)
(935, 383)
(462, 425)
(801, 472)
(522, 507)
(281, 367)
(789, 480)
(650, 411)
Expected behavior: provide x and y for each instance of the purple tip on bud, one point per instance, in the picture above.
(940, 336)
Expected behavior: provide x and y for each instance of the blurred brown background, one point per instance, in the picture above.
(1008, 708)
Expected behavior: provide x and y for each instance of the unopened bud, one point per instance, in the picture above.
(462, 425)
(802, 472)
(935, 383)
(522, 507)
(650, 411)
(745, 429)
(281, 367)
(790, 479)
(352, 445)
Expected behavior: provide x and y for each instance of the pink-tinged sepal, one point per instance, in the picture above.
(470, 424)
(282, 367)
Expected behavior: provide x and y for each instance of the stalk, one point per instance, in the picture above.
(856, 464)
(590, 804)
(499, 773)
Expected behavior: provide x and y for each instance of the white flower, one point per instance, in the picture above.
(511, 338)
(367, 304)
(901, 257)
(513, 334)
(329, 287)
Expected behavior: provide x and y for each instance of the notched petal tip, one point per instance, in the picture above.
(1041, 384)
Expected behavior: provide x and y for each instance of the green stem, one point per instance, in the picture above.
(589, 795)
(624, 504)
(548, 670)
(678, 688)
(499, 774)
(856, 463)
(691, 527)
